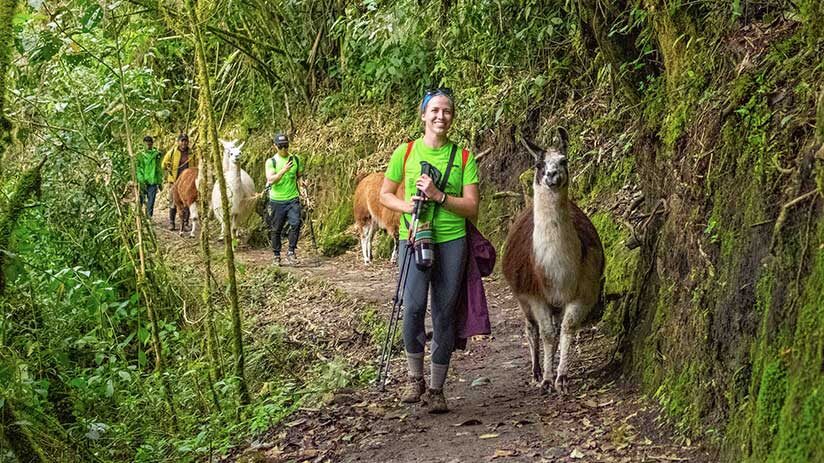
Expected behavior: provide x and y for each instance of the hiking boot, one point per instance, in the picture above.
(413, 390)
(292, 259)
(277, 260)
(437, 402)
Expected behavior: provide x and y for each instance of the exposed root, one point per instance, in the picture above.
(782, 216)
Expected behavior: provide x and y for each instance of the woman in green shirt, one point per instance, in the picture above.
(447, 212)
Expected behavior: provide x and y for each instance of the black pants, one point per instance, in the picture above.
(444, 278)
(279, 213)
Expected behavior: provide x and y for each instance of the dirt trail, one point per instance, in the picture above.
(502, 417)
(496, 412)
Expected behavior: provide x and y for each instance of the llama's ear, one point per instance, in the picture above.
(561, 139)
(223, 142)
(533, 149)
(240, 146)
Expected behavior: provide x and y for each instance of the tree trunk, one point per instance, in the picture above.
(205, 88)
(19, 439)
(140, 270)
(205, 186)
(7, 8)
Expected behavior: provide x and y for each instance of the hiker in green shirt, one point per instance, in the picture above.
(149, 174)
(448, 195)
(282, 173)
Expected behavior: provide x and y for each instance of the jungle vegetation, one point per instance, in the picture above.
(697, 130)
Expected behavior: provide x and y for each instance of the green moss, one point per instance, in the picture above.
(337, 244)
(620, 264)
(771, 394)
(786, 421)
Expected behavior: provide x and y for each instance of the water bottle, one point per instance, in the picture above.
(424, 248)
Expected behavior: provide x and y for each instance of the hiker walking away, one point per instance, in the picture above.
(149, 174)
(446, 180)
(175, 161)
(282, 173)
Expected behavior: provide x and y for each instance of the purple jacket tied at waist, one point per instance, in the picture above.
(473, 312)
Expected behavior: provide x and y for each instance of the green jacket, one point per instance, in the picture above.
(148, 168)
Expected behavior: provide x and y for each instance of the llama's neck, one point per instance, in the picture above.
(231, 171)
(555, 243)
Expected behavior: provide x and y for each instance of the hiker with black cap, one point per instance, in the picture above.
(149, 174)
(176, 160)
(282, 173)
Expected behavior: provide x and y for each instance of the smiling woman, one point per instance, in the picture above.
(440, 193)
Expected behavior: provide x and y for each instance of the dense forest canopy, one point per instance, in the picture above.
(696, 136)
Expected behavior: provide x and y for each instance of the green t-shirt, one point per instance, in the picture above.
(149, 171)
(287, 187)
(447, 225)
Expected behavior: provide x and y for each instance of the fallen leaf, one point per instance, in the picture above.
(488, 436)
(503, 453)
(591, 403)
(480, 381)
(292, 424)
(469, 422)
(576, 454)
(586, 422)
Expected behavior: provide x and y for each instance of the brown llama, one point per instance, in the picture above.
(554, 263)
(371, 214)
(184, 194)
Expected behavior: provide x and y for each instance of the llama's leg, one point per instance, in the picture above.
(394, 258)
(370, 231)
(360, 232)
(574, 314)
(193, 216)
(364, 244)
(531, 330)
(549, 341)
(181, 214)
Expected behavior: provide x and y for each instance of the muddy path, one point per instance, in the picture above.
(496, 412)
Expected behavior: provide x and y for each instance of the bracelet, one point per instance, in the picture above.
(443, 199)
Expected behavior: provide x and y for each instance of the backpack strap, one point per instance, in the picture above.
(406, 156)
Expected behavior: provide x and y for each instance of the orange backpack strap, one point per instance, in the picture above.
(464, 156)
(406, 156)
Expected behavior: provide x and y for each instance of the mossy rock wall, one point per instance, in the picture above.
(724, 324)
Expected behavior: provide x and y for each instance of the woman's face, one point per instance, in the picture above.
(437, 117)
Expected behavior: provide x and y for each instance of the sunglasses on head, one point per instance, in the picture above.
(438, 91)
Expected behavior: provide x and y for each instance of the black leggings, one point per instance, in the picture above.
(280, 212)
(445, 278)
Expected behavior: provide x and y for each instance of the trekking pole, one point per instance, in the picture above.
(397, 303)
(394, 319)
(309, 219)
(312, 232)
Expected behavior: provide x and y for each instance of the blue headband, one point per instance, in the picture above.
(429, 95)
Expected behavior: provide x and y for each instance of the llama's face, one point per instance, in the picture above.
(551, 169)
(551, 172)
(231, 149)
